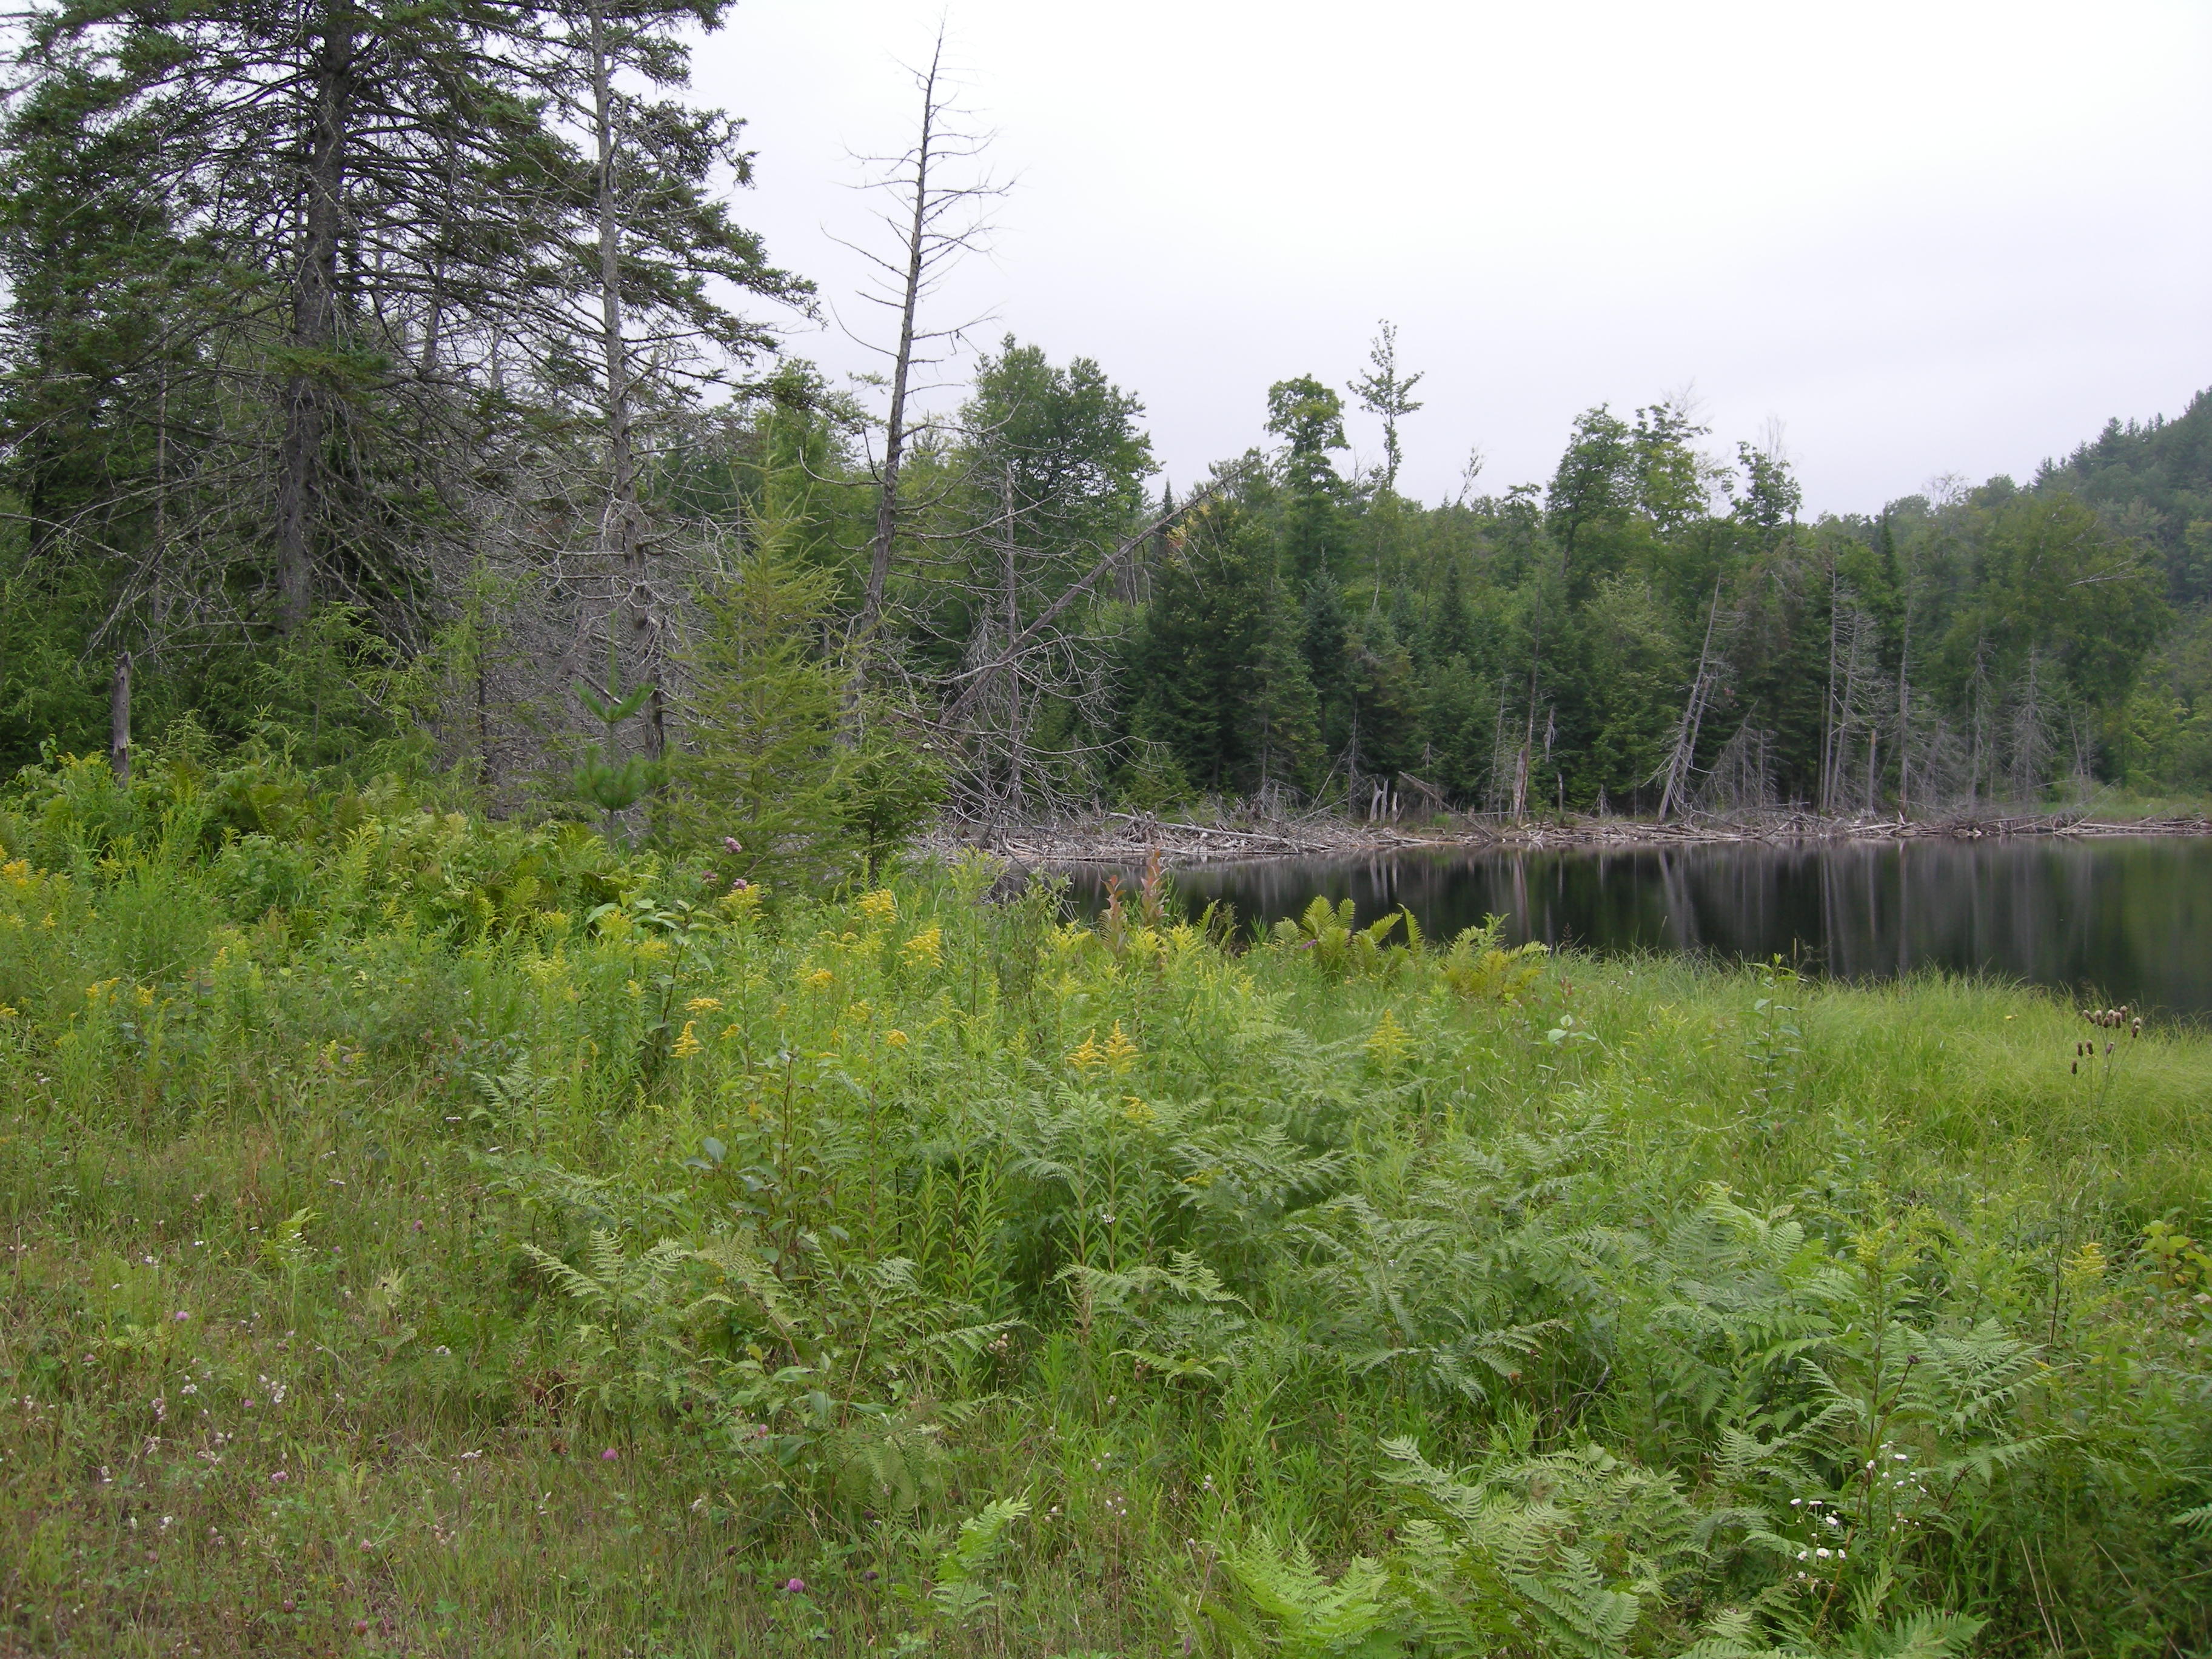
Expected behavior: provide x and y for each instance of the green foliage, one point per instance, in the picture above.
(1337, 945)
(1223, 682)
(627, 1346)
(1573, 1552)
(1065, 441)
(1366, 1309)
(760, 766)
(2156, 477)
(1479, 968)
(890, 786)
(962, 1593)
(1307, 1616)
(599, 780)
(2056, 582)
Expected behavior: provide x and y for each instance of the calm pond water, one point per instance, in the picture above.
(2129, 919)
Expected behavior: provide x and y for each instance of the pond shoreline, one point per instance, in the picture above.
(1119, 838)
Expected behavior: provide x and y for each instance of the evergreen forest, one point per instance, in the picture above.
(431, 443)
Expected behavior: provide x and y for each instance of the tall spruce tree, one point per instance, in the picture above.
(638, 311)
(346, 178)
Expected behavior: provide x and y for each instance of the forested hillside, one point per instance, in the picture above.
(401, 389)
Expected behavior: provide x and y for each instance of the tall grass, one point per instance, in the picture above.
(438, 1237)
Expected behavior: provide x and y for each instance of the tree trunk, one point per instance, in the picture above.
(314, 317)
(887, 505)
(1904, 713)
(1013, 680)
(1825, 794)
(1529, 738)
(118, 718)
(1676, 788)
(622, 527)
(971, 694)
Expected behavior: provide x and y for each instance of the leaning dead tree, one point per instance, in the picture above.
(979, 679)
(939, 211)
(1027, 652)
(1849, 710)
(1681, 757)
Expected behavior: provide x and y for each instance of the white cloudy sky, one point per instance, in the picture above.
(1929, 238)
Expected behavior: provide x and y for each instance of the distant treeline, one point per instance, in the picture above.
(377, 384)
(1653, 627)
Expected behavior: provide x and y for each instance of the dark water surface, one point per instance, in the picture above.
(2129, 919)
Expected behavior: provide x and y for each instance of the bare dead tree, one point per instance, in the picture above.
(118, 718)
(1682, 755)
(1018, 602)
(979, 678)
(1848, 714)
(940, 210)
(1743, 775)
(2031, 748)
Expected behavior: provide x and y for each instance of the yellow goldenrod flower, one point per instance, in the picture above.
(687, 1041)
(703, 1005)
(896, 1038)
(820, 979)
(1121, 1053)
(925, 948)
(1087, 1055)
(880, 906)
(2088, 1262)
(1137, 1112)
(1389, 1046)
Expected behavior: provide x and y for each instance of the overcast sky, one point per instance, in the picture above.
(1929, 238)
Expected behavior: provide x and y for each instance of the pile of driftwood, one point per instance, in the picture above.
(1132, 837)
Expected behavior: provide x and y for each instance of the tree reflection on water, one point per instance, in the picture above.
(2129, 919)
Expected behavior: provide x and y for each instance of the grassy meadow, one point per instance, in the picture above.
(432, 1237)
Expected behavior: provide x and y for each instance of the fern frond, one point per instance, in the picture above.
(578, 1287)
